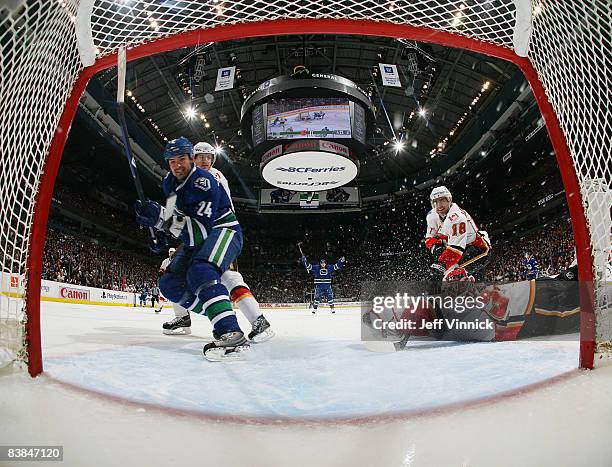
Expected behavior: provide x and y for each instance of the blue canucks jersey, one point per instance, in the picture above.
(203, 204)
(322, 275)
(530, 268)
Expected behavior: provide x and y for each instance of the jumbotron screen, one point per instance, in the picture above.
(316, 117)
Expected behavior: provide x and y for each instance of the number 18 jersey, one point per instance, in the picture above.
(457, 230)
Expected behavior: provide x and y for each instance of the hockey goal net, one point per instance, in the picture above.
(50, 49)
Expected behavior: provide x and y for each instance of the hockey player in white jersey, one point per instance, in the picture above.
(162, 270)
(167, 261)
(459, 249)
(240, 293)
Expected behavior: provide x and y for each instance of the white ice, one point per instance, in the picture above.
(315, 368)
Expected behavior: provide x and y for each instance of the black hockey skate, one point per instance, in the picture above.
(181, 325)
(229, 346)
(261, 331)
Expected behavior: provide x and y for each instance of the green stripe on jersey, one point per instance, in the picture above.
(221, 246)
(217, 308)
(227, 217)
(198, 236)
(198, 308)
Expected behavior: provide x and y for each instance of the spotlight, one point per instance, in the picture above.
(190, 112)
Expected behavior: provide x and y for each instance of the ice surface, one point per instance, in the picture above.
(291, 377)
(121, 351)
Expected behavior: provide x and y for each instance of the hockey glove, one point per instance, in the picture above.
(160, 243)
(437, 271)
(148, 214)
(437, 250)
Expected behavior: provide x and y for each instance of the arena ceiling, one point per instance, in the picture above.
(435, 102)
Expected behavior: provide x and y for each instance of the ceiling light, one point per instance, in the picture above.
(190, 112)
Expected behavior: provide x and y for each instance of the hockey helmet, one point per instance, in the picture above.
(322, 261)
(440, 192)
(205, 148)
(177, 147)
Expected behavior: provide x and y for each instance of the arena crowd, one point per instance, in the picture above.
(270, 263)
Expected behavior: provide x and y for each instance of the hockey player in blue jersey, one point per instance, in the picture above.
(199, 213)
(530, 267)
(323, 273)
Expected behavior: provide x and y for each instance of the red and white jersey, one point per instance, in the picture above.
(164, 265)
(223, 182)
(456, 231)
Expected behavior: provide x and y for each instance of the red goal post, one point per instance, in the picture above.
(51, 48)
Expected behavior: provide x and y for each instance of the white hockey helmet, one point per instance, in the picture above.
(205, 148)
(440, 192)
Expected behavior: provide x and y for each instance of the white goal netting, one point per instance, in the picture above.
(45, 44)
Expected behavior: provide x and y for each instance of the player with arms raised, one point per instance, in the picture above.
(459, 249)
(199, 213)
(323, 273)
(531, 270)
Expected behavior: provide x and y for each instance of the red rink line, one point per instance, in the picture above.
(318, 422)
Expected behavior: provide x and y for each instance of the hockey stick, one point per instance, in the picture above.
(300, 248)
(125, 138)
